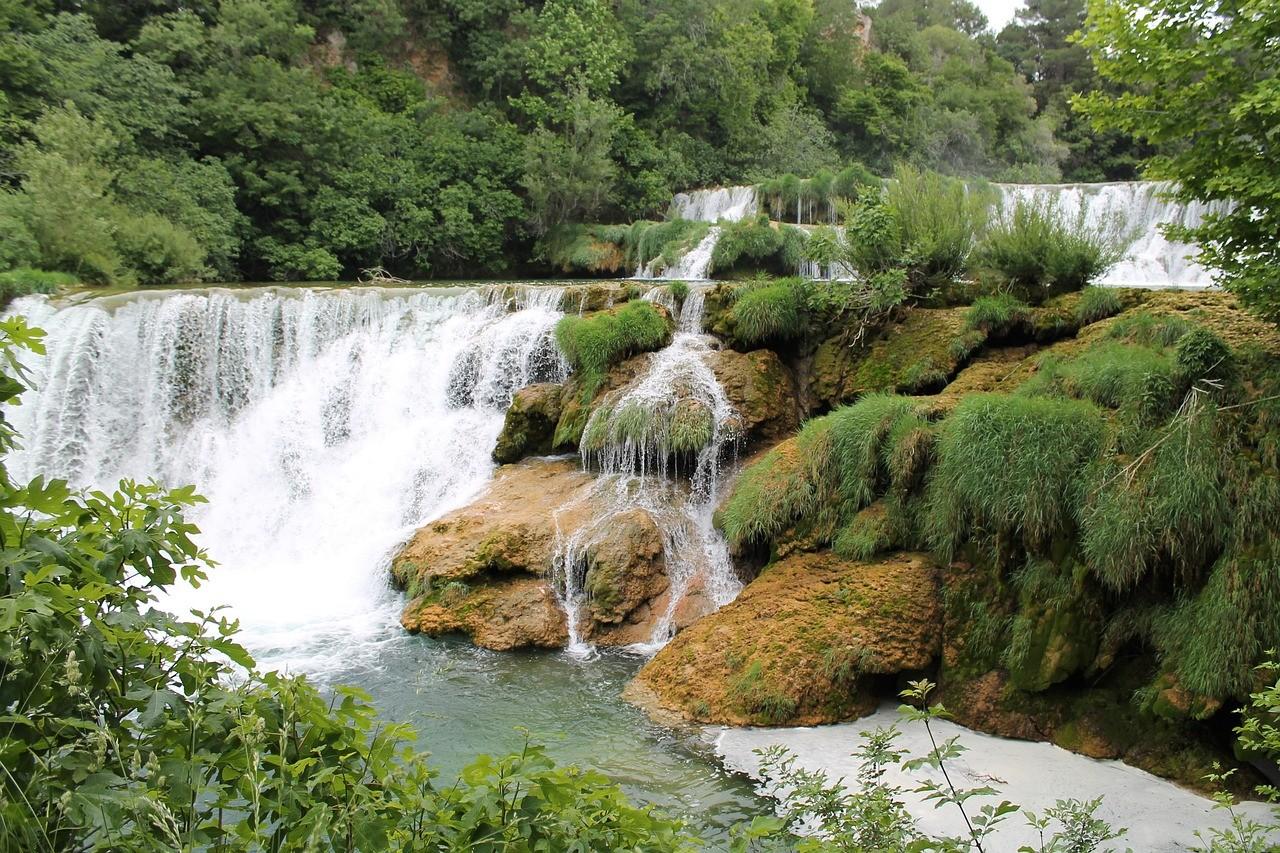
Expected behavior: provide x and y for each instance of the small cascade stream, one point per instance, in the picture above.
(322, 426)
(634, 439)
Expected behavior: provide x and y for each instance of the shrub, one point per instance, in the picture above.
(1040, 253)
(662, 243)
(594, 343)
(750, 239)
(1011, 465)
(997, 316)
(938, 221)
(774, 312)
(25, 281)
(160, 252)
(585, 248)
(1097, 303)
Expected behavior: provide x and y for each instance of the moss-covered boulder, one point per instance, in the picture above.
(800, 643)
(530, 424)
(762, 392)
(625, 575)
(511, 613)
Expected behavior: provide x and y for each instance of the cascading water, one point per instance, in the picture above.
(722, 204)
(673, 420)
(694, 265)
(323, 426)
(1152, 260)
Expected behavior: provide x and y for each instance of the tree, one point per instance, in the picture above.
(569, 175)
(1201, 85)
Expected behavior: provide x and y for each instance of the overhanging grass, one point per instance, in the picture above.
(1013, 465)
(997, 316)
(594, 343)
(25, 281)
(773, 312)
(1167, 506)
(1097, 303)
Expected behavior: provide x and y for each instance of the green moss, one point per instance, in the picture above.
(1055, 632)
(755, 697)
(594, 343)
(1011, 464)
(679, 291)
(1110, 374)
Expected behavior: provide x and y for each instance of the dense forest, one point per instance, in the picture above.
(162, 141)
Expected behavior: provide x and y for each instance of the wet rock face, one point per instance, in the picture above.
(762, 392)
(530, 424)
(800, 642)
(486, 569)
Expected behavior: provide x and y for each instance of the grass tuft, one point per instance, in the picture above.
(1097, 303)
(997, 316)
(774, 312)
(592, 344)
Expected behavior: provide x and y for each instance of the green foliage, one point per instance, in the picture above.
(25, 281)
(1166, 507)
(750, 239)
(997, 316)
(679, 291)
(1040, 253)
(1202, 355)
(1097, 303)
(770, 313)
(923, 222)
(132, 729)
(1110, 374)
(594, 343)
(1143, 327)
(1204, 96)
(1013, 465)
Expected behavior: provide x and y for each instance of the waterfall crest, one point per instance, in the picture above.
(323, 427)
(727, 204)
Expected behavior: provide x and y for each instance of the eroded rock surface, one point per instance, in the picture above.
(800, 641)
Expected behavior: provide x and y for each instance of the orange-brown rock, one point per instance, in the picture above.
(761, 390)
(798, 643)
(485, 569)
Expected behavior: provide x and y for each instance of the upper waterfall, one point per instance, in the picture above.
(1151, 260)
(323, 427)
(728, 204)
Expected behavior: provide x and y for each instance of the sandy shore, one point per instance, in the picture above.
(1159, 815)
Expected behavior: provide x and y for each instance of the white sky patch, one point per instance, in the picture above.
(998, 12)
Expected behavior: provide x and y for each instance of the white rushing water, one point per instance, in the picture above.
(1139, 209)
(719, 204)
(693, 265)
(324, 427)
(639, 468)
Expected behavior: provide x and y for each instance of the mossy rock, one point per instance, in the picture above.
(530, 423)
(797, 644)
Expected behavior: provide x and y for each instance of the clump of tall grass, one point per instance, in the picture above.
(662, 243)
(998, 315)
(1143, 327)
(869, 533)
(1203, 356)
(1011, 465)
(1167, 506)
(1041, 252)
(592, 344)
(750, 239)
(1097, 303)
(679, 291)
(1110, 374)
(774, 312)
(25, 281)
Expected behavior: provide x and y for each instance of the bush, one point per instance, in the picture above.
(770, 313)
(1012, 465)
(25, 281)
(1040, 253)
(160, 252)
(1097, 303)
(751, 239)
(591, 249)
(594, 343)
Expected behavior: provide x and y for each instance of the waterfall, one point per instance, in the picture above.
(324, 427)
(722, 204)
(694, 265)
(1151, 259)
(659, 445)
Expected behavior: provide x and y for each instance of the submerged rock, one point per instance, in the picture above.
(486, 569)
(801, 642)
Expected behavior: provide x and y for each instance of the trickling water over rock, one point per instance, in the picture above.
(324, 426)
(694, 265)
